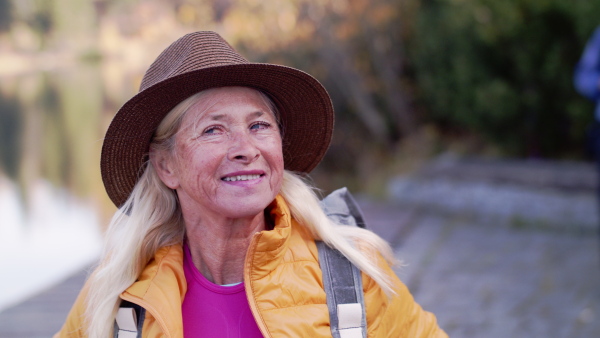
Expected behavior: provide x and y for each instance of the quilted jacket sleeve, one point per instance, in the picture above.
(398, 316)
(74, 324)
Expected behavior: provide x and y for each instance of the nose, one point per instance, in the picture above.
(242, 148)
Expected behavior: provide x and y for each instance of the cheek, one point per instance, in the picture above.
(198, 163)
(274, 153)
(277, 166)
(280, 163)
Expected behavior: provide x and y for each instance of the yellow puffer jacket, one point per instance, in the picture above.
(283, 285)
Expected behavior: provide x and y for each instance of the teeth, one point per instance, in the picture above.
(240, 178)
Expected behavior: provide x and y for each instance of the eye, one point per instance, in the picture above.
(260, 126)
(213, 130)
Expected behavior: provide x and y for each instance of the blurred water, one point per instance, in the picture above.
(57, 236)
(52, 201)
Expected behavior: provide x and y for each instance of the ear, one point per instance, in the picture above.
(163, 165)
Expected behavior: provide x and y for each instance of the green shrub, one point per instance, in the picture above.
(503, 69)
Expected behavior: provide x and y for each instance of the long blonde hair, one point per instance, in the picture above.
(151, 219)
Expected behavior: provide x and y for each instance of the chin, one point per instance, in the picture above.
(243, 210)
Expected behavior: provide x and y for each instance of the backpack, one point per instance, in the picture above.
(341, 279)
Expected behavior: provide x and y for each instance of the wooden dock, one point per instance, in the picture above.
(43, 314)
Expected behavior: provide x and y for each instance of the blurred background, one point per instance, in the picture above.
(456, 113)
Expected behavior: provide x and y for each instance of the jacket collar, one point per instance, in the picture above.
(275, 240)
(267, 248)
(161, 287)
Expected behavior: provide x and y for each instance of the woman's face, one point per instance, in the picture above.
(228, 157)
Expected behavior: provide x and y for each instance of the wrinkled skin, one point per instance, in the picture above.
(227, 167)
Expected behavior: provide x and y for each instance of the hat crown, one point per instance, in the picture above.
(191, 52)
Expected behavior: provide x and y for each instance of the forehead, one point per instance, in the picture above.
(218, 102)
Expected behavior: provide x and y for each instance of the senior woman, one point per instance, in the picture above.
(215, 233)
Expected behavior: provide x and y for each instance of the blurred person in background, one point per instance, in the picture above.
(587, 83)
(216, 231)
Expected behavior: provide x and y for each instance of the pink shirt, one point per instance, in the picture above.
(211, 310)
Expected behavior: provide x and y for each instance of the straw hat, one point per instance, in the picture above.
(203, 60)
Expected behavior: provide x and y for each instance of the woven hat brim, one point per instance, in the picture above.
(305, 106)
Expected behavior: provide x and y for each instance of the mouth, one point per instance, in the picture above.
(236, 178)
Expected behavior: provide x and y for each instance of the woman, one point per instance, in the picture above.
(215, 233)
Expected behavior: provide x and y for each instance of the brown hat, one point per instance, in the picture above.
(200, 61)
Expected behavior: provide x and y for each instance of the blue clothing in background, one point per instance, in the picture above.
(587, 72)
(587, 83)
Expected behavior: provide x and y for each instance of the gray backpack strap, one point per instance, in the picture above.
(129, 321)
(341, 279)
(343, 287)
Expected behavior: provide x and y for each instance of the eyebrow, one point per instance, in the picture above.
(218, 117)
(258, 113)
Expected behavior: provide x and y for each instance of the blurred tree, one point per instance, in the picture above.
(354, 43)
(38, 16)
(503, 70)
(5, 15)
(11, 130)
(42, 21)
(362, 50)
(56, 149)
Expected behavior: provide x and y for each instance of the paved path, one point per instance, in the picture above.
(493, 281)
(499, 249)
(482, 275)
(41, 315)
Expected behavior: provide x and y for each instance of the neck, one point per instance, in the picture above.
(218, 247)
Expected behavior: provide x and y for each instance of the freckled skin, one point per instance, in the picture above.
(230, 131)
(203, 157)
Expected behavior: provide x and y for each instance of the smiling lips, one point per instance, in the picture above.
(240, 178)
